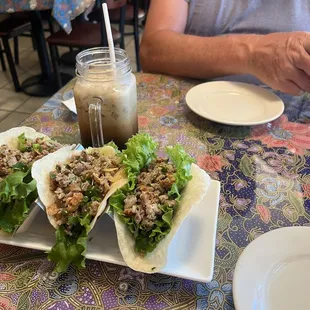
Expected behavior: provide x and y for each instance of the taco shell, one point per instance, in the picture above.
(41, 173)
(155, 261)
(9, 137)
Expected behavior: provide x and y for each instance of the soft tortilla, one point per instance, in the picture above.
(9, 137)
(41, 173)
(155, 261)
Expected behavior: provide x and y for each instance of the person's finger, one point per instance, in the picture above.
(307, 43)
(291, 88)
(303, 59)
(300, 79)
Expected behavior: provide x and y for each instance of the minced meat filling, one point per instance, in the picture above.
(32, 151)
(151, 192)
(81, 184)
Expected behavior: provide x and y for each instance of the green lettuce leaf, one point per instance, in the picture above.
(71, 249)
(146, 241)
(115, 147)
(20, 166)
(17, 192)
(140, 151)
(116, 201)
(182, 161)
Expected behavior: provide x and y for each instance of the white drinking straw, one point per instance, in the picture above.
(109, 33)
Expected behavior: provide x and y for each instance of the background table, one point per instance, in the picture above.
(265, 177)
(63, 11)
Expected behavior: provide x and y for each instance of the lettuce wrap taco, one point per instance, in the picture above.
(19, 148)
(160, 193)
(74, 186)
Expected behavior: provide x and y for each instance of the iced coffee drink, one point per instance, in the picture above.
(116, 89)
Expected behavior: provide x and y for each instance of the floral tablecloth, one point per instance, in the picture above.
(265, 184)
(63, 10)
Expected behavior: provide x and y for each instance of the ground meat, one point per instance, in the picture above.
(145, 199)
(79, 168)
(130, 201)
(152, 211)
(59, 193)
(12, 161)
(74, 187)
(171, 203)
(52, 210)
(93, 208)
(138, 213)
(4, 171)
(10, 157)
(167, 182)
(153, 185)
(63, 180)
(163, 198)
(84, 186)
(145, 178)
(81, 184)
(74, 202)
(147, 223)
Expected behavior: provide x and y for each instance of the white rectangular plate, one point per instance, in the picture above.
(191, 252)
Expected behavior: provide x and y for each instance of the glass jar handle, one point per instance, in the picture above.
(95, 121)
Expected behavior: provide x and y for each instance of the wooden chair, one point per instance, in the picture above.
(46, 15)
(2, 58)
(83, 35)
(134, 16)
(10, 28)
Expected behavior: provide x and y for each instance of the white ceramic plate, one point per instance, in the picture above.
(273, 272)
(191, 253)
(234, 103)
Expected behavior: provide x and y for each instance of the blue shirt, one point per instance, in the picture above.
(217, 17)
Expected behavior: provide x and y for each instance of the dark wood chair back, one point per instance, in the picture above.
(112, 4)
(115, 4)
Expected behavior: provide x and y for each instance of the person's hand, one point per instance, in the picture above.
(281, 60)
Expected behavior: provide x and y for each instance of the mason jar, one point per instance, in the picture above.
(105, 94)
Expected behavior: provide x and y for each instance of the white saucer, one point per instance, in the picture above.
(234, 103)
(273, 272)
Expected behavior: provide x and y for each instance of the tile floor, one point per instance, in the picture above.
(16, 107)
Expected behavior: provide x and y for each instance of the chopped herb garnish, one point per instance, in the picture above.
(93, 192)
(85, 199)
(20, 166)
(37, 147)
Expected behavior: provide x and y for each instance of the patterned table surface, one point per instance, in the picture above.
(63, 10)
(265, 184)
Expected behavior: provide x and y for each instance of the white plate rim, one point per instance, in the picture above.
(247, 253)
(234, 123)
(205, 274)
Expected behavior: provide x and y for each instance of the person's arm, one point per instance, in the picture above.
(280, 59)
(166, 49)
